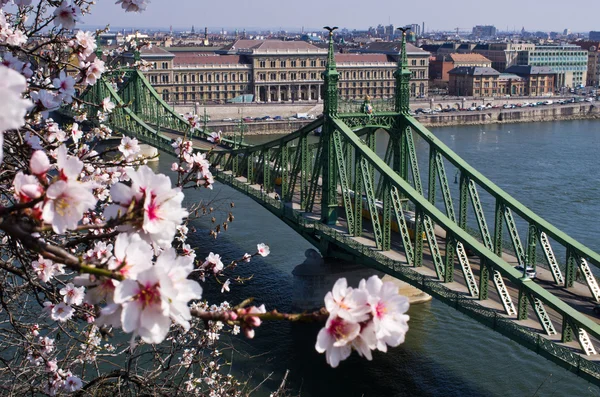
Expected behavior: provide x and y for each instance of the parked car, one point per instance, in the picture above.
(589, 99)
(531, 273)
(227, 119)
(247, 119)
(277, 118)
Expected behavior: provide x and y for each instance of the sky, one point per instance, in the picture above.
(534, 15)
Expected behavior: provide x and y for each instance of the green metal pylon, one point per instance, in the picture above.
(402, 75)
(329, 201)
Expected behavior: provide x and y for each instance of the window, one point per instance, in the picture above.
(185, 78)
(273, 76)
(177, 78)
(282, 64)
(313, 63)
(217, 77)
(273, 64)
(303, 64)
(165, 65)
(292, 76)
(413, 62)
(262, 64)
(323, 63)
(283, 76)
(303, 76)
(193, 78)
(293, 64)
(201, 78)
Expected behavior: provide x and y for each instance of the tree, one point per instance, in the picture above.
(93, 241)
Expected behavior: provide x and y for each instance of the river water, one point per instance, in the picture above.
(549, 167)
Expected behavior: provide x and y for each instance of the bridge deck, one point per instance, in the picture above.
(201, 144)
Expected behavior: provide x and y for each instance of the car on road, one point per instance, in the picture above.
(247, 119)
(227, 119)
(589, 99)
(531, 273)
(277, 118)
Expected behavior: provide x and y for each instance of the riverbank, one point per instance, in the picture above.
(576, 111)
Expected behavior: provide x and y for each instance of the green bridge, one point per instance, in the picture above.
(352, 204)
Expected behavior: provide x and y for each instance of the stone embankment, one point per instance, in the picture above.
(574, 111)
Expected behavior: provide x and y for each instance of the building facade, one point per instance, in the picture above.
(570, 62)
(593, 67)
(442, 64)
(274, 71)
(539, 80)
(502, 55)
(418, 62)
(473, 81)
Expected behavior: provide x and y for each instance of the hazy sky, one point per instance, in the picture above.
(544, 15)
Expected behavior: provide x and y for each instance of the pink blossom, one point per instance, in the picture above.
(335, 339)
(39, 163)
(347, 303)
(213, 262)
(107, 105)
(263, 249)
(66, 202)
(93, 71)
(132, 255)
(225, 286)
(12, 106)
(72, 295)
(62, 312)
(129, 147)
(67, 15)
(161, 205)
(86, 42)
(72, 383)
(66, 86)
(27, 187)
(215, 137)
(160, 294)
(133, 5)
(390, 324)
(46, 269)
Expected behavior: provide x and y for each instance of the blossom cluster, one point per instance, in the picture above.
(366, 318)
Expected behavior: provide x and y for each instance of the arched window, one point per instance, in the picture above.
(422, 89)
(413, 89)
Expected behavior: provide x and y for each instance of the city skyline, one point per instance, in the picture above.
(312, 14)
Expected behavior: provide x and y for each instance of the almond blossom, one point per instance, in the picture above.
(72, 295)
(213, 262)
(65, 85)
(93, 70)
(66, 202)
(387, 309)
(159, 295)
(12, 106)
(106, 105)
(62, 312)
(335, 339)
(86, 42)
(364, 319)
(46, 269)
(263, 249)
(132, 255)
(159, 203)
(133, 5)
(129, 147)
(67, 14)
(27, 187)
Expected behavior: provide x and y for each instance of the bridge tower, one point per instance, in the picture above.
(402, 75)
(330, 110)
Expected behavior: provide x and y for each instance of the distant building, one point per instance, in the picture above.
(481, 31)
(275, 71)
(418, 62)
(442, 64)
(594, 36)
(567, 60)
(539, 80)
(593, 69)
(473, 81)
(509, 84)
(503, 55)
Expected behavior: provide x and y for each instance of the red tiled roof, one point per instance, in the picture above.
(258, 45)
(468, 58)
(341, 58)
(204, 59)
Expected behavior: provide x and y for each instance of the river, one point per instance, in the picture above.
(549, 167)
